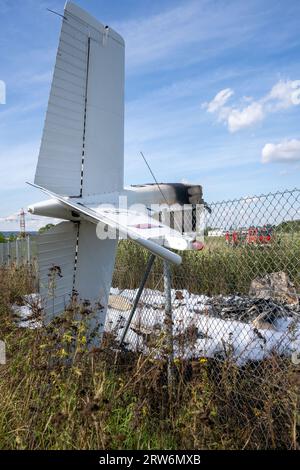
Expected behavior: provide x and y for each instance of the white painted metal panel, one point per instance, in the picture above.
(62, 76)
(57, 247)
(103, 169)
(65, 112)
(69, 107)
(68, 47)
(91, 279)
(94, 272)
(58, 137)
(69, 96)
(69, 39)
(85, 111)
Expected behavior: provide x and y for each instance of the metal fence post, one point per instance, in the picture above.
(28, 249)
(169, 328)
(17, 252)
(138, 295)
(8, 253)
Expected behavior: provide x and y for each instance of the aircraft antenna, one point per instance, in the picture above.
(56, 13)
(153, 176)
(157, 183)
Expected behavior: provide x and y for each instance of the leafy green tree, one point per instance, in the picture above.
(46, 228)
(2, 238)
(289, 226)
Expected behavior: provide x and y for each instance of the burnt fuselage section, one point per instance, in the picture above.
(170, 193)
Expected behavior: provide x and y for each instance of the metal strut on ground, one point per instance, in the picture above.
(138, 296)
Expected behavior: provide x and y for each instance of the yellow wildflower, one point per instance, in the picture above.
(203, 360)
(63, 352)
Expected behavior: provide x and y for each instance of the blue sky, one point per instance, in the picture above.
(212, 92)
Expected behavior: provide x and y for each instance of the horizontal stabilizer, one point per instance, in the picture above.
(138, 227)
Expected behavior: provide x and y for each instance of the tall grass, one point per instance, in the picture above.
(218, 269)
(55, 394)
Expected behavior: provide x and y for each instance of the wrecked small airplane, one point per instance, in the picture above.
(81, 168)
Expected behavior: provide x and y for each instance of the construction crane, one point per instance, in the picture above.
(21, 217)
(22, 233)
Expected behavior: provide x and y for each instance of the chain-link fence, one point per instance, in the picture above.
(227, 321)
(234, 308)
(19, 251)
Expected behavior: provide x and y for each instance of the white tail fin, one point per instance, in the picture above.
(57, 255)
(82, 148)
(73, 260)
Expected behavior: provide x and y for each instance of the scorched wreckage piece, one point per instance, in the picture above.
(81, 168)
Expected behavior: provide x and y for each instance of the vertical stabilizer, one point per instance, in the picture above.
(82, 148)
(56, 259)
(73, 261)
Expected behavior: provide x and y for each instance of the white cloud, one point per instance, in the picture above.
(237, 119)
(284, 94)
(219, 100)
(285, 151)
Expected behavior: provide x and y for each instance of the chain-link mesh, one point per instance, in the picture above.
(235, 308)
(232, 325)
(19, 251)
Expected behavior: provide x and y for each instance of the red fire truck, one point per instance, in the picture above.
(259, 235)
(251, 236)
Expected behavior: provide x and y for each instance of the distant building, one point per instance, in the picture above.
(217, 232)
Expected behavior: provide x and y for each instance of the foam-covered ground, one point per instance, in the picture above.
(197, 329)
(211, 336)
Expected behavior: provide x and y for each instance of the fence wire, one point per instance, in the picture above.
(19, 251)
(235, 314)
(235, 307)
